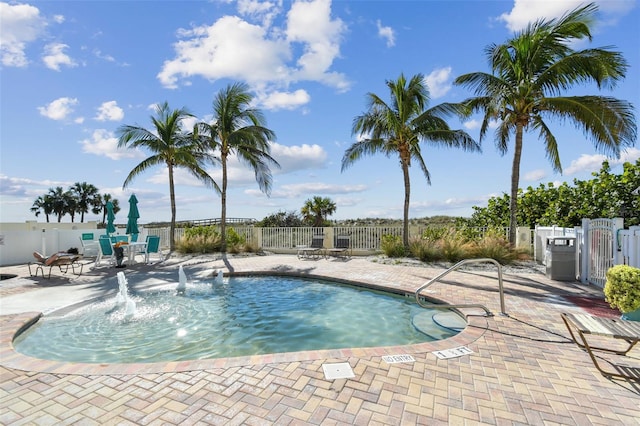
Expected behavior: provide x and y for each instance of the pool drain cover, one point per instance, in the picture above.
(341, 370)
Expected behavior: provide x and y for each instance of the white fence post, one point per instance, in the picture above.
(617, 225)
(585, 253)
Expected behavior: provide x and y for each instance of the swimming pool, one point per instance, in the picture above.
(240, 316)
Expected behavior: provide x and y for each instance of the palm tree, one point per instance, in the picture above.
(316, 210)
(399, 127)
(529, 73)
(87, 196)
(239, 130)
(44, 203)
(170, 146)
(59, 202)
(101, 206)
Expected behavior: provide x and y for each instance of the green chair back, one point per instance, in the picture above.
(105, 246)
(87, 236)
(153, 243)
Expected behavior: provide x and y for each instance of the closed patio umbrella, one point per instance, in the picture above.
(132, 223)
(111, 217)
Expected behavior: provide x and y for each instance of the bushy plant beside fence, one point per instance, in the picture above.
(392, 245)
(207, 239)
(453, 245)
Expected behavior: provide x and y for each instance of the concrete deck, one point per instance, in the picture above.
(524, 369)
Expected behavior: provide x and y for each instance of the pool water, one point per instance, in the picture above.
(241, 316)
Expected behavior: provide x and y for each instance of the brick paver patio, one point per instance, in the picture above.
(523, 369)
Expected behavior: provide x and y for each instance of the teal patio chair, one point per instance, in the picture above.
(89, 245)
(153, 247)
(105, 251)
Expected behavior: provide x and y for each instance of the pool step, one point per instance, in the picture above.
(438, 325)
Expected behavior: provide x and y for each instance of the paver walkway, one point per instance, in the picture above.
(523, 369)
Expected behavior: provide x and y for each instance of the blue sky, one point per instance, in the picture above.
(72, 72)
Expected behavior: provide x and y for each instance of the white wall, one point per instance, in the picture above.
(18, 241)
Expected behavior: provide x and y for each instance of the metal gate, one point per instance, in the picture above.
(601, 241)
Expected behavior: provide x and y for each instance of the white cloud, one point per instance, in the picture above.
(472, 124)
(18, 187)
(310, 23)
(284, 100)
(103, 56)
(104, 143)
(54, 56)
(21, 25)
(439, 82)
(300, 157)
(258, 53)
(593, 163)
(109, 111)
(386, 33)
(535, 175)
(305, 189)
(526, 11)
(181, 176)
(58, 109)
(232, 48)
(265, 11)
(476, 124)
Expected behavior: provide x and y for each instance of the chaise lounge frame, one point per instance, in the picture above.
(63, 259)
(619, 329)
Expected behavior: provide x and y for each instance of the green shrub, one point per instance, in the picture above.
(622, 289)
(425, 250)
(235, 241)
(494, 247)
(207, 239)
(435, 233)
(392, 246)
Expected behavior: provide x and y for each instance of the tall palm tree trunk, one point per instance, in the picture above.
(407, 196)
(515, 181)
(172, 195)
(223, 213)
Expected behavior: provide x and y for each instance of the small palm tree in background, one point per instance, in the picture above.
(316, 210)
(43, 204)
(169, 146)
(101, 206)
(400, 127)
(524, 90)
(237, 129)
(87, 196)
(59, 201)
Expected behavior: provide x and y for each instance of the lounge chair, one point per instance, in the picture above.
(619, 329)
(56, 259)
(152, 247)
(89, 245)
(106, 251)
(342, 247)
(315, 251)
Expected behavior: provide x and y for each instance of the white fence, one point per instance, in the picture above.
(17, 243)
(600, 244)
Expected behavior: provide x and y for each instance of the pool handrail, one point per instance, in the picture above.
(471, 305)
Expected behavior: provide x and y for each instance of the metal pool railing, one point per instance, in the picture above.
(469, 305)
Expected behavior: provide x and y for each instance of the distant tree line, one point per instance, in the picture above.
(79, 199)
(607, 195)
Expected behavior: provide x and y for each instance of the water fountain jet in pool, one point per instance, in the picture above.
(123, 296)
(182, 281)
(217, 276)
